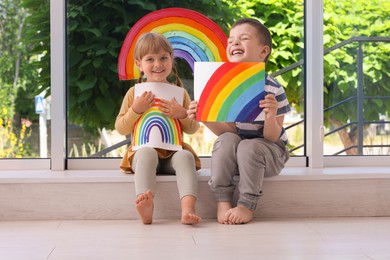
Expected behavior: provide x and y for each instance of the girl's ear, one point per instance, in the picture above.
(138, 63)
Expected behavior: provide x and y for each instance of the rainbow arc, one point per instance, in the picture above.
(170, 131)
(232, 93)
(194, 37)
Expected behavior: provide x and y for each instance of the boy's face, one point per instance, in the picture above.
(244, 45)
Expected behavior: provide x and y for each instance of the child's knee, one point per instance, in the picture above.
(147, 155)
(183, 157)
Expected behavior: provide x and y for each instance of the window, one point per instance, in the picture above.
(356, 78)
(337, 79)
(25, 82)
(94, 92)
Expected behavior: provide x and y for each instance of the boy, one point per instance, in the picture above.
(252, 150)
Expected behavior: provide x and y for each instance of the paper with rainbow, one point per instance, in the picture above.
(194, 37)
(154, 129)
(229, 92)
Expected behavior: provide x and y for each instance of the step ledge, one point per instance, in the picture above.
(99, 176)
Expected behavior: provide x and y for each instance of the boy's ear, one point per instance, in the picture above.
(264, 52)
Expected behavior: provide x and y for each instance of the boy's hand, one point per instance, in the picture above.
(143, 102)
(269, 106)
(172, 109)
(192, 110)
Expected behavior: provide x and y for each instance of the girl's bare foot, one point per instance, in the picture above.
(188, 215)
(190, 219)
(222, 208)
(239, 215)
(145, 206)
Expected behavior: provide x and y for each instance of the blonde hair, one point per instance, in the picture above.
(153, 43)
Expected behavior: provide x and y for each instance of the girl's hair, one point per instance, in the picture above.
(153, 43)
(262, 30)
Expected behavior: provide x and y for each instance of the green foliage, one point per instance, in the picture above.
(9, 15)
(96, 31)
(284, 19)
(21, 61)
(356, 18)
(85, 150)
(13, 143)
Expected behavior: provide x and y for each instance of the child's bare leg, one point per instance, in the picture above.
(239, 215)
(145, 206)
(188, 215)
(222, 208)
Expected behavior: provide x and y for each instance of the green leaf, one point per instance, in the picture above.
(94, 31)
(87, 83)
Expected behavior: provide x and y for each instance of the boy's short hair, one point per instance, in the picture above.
(264, 34)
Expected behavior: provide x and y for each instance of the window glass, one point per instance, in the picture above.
(24, 79)
(95, 34)
(356, 77)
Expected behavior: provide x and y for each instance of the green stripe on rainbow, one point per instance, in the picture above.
(232, 93)
(194, 37)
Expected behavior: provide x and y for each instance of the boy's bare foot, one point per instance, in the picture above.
(222, 208)
(190, 219)
(145, 206)
(239, 215)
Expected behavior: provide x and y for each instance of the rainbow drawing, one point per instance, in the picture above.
(229, 92)
(194, 37)
(156, 130)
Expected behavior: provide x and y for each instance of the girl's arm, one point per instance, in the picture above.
(127, 117)
(175, 110)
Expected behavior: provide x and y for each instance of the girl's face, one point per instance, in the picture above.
(244, 45)
(156, 66)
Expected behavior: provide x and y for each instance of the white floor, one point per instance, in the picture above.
(314, 238)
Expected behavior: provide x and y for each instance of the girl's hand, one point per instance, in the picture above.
(269, 106)
(143, 102)
(192, 110)
(172, 109)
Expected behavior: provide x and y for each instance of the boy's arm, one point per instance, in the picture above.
(273, 124)
(273, 128)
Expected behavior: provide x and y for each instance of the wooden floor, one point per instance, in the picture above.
(351, 238)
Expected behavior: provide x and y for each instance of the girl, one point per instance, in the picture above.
(154, 58)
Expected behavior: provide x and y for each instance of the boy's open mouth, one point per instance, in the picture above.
(237, 52)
